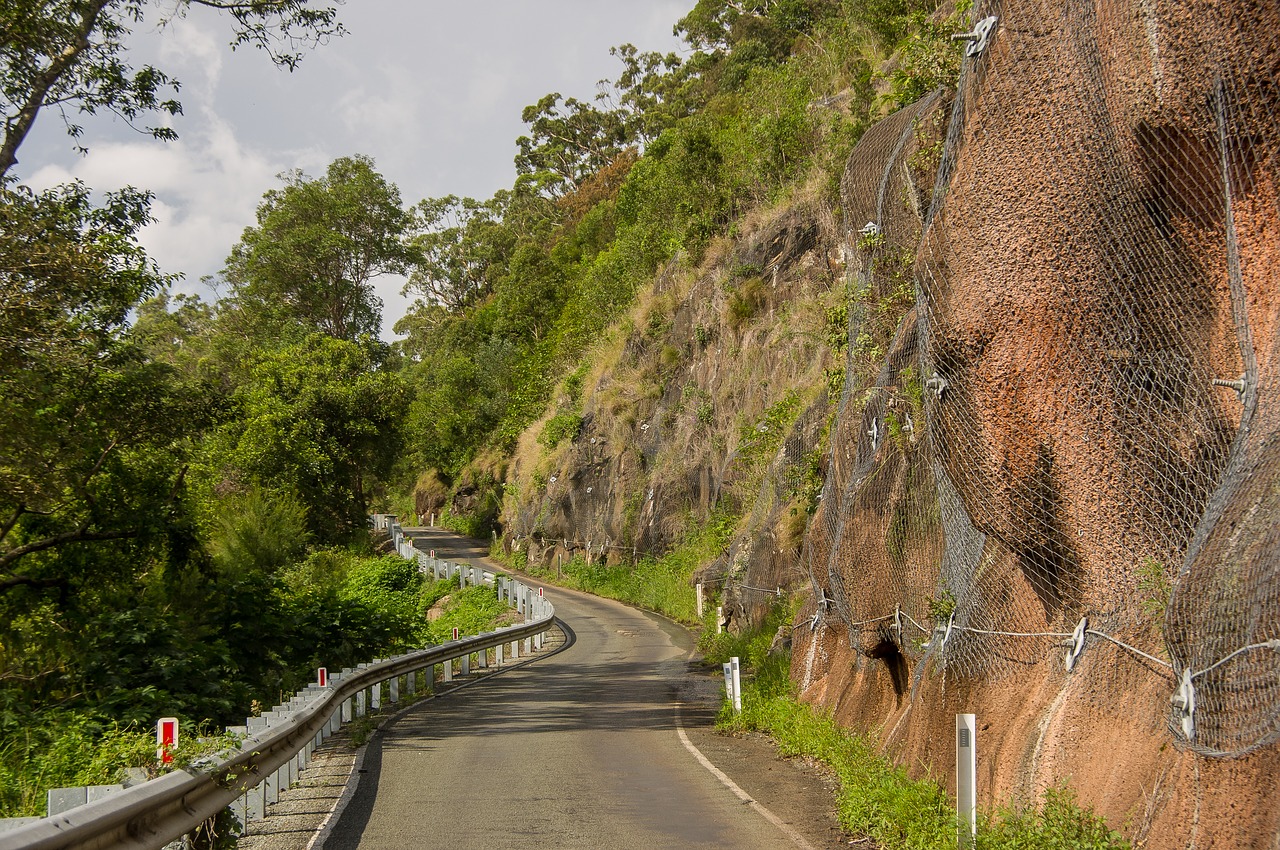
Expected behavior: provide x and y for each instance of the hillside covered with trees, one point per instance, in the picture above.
(186, 483)
(730, 325)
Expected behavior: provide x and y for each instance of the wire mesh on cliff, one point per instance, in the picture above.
(1063, 346)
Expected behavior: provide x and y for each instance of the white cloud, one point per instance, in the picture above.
(187, 50)
(207, 187)
(431, 90)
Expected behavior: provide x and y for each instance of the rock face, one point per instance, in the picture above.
(708, 399)
(1038, 454)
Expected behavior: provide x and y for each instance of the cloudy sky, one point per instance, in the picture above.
(431, 90)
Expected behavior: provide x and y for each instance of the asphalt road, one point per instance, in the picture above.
(580, 749)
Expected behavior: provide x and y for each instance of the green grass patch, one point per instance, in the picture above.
(663, 584)
(878, 799)
(471, 610)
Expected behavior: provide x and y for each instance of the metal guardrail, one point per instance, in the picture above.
(154, 813)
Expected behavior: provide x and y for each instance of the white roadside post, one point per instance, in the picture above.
(728, 680)
(737, 684)
(537, 639)
(966, 780)
(699, 589)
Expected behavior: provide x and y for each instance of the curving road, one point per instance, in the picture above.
(580, 749)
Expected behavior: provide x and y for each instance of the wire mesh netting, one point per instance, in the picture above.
(1062, 354)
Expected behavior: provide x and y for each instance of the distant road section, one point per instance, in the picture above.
(576, 750)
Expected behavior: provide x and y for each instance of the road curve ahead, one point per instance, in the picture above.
(576, 750)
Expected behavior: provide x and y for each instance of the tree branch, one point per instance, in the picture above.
(28, 581)
(17, 129)
(78, 536)
(13, 520)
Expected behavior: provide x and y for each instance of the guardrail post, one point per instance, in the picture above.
(528, 646)
(375, 697)
(515, 649)
(497, 655)
(466, 664)
(270, 790)
(448, 671)
(256, 802)
(735, 674)
(360, 696)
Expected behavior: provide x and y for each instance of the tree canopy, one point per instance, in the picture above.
(318, 245)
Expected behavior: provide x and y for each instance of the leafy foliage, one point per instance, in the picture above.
(319, 420)
(317, 246)
(71, 56)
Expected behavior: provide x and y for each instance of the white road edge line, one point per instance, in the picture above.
(321, 835)
(796, 838)
(348, 791)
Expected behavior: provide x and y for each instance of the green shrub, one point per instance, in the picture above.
(563, 426)
(471, 610)
(745, 301)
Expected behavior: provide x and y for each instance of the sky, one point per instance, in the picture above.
(431, 90)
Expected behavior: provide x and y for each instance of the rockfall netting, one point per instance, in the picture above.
(1059, 425)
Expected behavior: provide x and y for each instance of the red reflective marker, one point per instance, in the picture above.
(322, 677)
(166, 738)
(455, 632)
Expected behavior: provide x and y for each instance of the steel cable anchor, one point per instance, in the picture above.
(979, 37)
(1076, 645)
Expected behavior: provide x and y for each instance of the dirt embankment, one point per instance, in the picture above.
(1101, 244)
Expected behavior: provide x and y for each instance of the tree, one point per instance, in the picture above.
(653, 92)
(82, 414)
(70, 55)
(179, 337)
(317, 420)
(463, 245)
(317, 246)
(567, 144)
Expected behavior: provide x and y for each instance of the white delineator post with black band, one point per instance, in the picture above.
(966, 780)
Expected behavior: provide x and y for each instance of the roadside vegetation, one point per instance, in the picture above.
(341, 609)
(877, 798)
(663, 584)
(184, 485)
